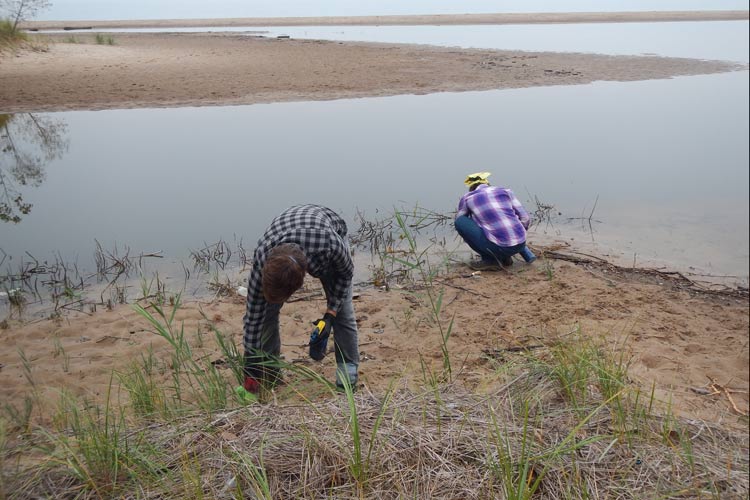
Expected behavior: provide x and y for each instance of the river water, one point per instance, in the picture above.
(654, 172)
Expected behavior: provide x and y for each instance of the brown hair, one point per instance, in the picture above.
(283, 272)
(477, 184)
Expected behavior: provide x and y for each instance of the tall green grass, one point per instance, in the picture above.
(95, 446)
(360, 465)
(252, 473)
(10, 36)
(142, 381)
(193, 383)
(104, 39)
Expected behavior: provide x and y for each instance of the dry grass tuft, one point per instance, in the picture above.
(438, 444)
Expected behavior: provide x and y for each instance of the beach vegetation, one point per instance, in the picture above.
(9, 36)
(95, 446)
(405, 258)
(22, 10)
(521, 440)
(104, 39)
(548, 267)
(17, 300)
(562, 420)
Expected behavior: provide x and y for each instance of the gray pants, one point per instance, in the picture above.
(345, 340)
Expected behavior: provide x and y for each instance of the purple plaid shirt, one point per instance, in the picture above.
(498, 212)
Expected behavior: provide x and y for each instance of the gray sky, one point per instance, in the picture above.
(185, 9)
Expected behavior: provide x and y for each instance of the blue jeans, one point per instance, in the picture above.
(259, 364)
(474, 236)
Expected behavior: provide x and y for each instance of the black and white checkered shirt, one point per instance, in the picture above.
(321, 234)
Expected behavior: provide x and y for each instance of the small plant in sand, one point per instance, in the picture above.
(22, 418)
(548, 267)
(256, 475)
(142, 381)
(360, 464)
(222, 287)
(154, 289)
(59, 350)
(104, 39)
(17, 302)
(3, 443)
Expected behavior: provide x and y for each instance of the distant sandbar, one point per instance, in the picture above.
(435, 19)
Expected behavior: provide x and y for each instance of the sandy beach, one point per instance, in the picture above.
(680, 339)
(673, 336)
(213, 69)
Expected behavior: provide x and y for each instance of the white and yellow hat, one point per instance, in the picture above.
(478, 178)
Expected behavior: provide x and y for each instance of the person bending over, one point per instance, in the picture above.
(492, 221)
(303, 239)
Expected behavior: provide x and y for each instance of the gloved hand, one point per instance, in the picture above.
(248, 392)
(319, 337)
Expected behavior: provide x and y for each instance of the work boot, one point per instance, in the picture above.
(484, 265)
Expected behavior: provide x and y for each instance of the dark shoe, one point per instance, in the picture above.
(484, 265)
(340, 386)
(507, 261)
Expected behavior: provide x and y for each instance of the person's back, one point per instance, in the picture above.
(492, 221)
(496, 211)
(304, 239)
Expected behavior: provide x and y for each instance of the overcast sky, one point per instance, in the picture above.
(185, 9)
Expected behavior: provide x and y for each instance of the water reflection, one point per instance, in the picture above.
(28, 142)
(652, 152)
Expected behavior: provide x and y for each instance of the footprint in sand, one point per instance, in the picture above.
(652, 361)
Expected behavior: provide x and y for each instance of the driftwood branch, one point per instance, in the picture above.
(675, 277)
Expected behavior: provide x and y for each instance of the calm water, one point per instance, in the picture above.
(667, 161)
(722, 40)
(148, 9)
